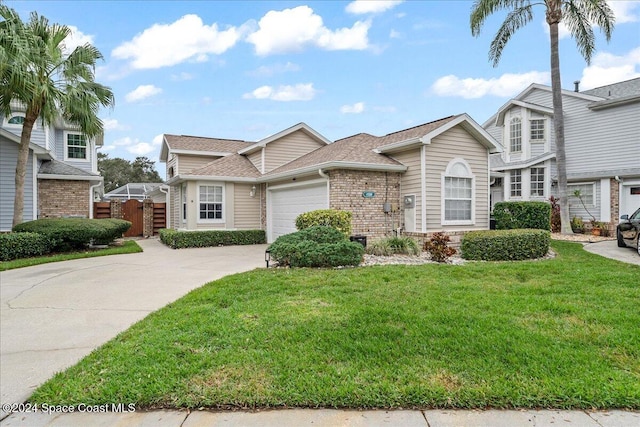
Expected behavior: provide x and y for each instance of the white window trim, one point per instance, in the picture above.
(510, 130)
(66, 148)
(511, 196)
(544, 183)
(183, 203)
(16, 126)
(447, 174)
(577, 202)
(544, 133)
(224, 204)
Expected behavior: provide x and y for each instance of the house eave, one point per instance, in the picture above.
(96, 178)
(531, 162)
(609, 103)
(178, 179)
(309, 170)
(499, 117)
(300, 126)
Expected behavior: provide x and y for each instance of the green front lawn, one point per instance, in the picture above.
(560, 333)
(128, 247)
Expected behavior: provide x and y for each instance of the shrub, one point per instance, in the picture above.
(394, 245)
(505, 245)
(68, 234)
(340, 220)
(511, 215)
(316, 246)
(207, 238)
(556, 223)
(23, 245)
(438, 247)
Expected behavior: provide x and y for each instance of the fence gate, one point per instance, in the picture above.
(132, 212)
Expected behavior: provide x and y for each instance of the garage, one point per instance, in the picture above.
(629, 197)
(285, 203)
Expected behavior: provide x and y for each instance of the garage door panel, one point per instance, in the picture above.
(288, 203)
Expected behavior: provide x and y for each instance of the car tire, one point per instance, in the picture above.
(621, 243)
(638, 245)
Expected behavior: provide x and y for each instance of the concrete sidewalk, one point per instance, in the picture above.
(331, 418)
(52, 315)
(610, 249)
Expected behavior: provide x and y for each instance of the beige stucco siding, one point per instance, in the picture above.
(288, 148)
(411, 181)
(246, 208)
(455, 143)
(187, 163)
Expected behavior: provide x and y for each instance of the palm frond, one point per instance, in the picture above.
(482, 9)
(580, 15)
(515, 20)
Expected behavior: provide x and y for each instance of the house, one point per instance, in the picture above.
(427, 178)
(133, 190)
(62, 171)
(602, 149)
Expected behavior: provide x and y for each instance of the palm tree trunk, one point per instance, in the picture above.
(21, 166)
(553, 18)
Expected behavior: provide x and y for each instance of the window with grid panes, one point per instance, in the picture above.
(537, 182)
(76, 146)
(537, 130)
(458, 198)
(210, 201)
(516, 183)
(515, 135)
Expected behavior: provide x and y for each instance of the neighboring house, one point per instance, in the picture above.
(133, 190)
(62, 172)
(428, 178)
(602, 149)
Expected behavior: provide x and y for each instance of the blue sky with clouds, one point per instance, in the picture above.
(246, 70)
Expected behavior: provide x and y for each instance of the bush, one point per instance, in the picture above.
(316, 246)
(505, 245)
(512, 215)
(394, 245)
(23, 245)
(207, 238)
(69, 234)
(438, 247)
(340, 220)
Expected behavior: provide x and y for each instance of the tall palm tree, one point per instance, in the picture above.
(578, 16)
(36, 73)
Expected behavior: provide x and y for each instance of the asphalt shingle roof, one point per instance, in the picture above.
(54, 167)
(235, 165)
(198, 143)
(616, 90)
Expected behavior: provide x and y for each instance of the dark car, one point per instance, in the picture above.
(628, 231)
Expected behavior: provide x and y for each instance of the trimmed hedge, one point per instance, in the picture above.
(23, 245)
(69, 234)
(316, 246)
(505, 245)
(512, 215)
(206, 238)
(340, 220)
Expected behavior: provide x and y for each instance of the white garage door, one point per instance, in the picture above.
(285, 204)
(629, 197)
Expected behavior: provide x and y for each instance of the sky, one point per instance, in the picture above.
(246, 70)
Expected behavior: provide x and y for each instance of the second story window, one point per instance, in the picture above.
(515, 135)
(16, 120)
(75, 146)
(537, 130)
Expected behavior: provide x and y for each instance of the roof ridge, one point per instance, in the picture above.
(423, 124)
(210, 137)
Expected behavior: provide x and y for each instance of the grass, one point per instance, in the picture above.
(129, 247)
(560, 333)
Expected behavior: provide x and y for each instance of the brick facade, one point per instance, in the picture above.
(369, 219)
(62, 198)
(615, 206)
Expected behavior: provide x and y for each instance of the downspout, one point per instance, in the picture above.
(91, 198)
(166, 201)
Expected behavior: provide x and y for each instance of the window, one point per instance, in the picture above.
(634, 191)
(76, 146)
(210, 200)
(537, 130)
(515, 135)
(516, 183)
(586, 193)
(16, 120)
(537, 182)
(458, 195)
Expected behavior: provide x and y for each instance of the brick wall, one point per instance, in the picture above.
(346, 188)
(615, 207)
(60, 198)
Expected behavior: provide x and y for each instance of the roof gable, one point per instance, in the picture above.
(499, 116)
(198, 145)
(299, 127)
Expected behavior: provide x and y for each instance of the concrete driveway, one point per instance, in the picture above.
(52, 315)
(610, 249)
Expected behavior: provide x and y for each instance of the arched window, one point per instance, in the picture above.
(515, 135)
(458, 191)
(15, 120)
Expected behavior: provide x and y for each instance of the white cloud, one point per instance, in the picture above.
(157, 140)
(112, 124)
(134, 146)
(107, 148)
(356, 108)
(270, 70)
(163, 45)
(291, 30)
(359, 7)
(385, 109)
(142, 92)
(625, 11)
(504, 86)
(299, 92)
(393, 34)
(75, 39)
(123, 142)
(141, 149)
(607, 68)
(181, 77)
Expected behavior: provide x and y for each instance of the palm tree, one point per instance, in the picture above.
(578, 16)
(36, 73)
